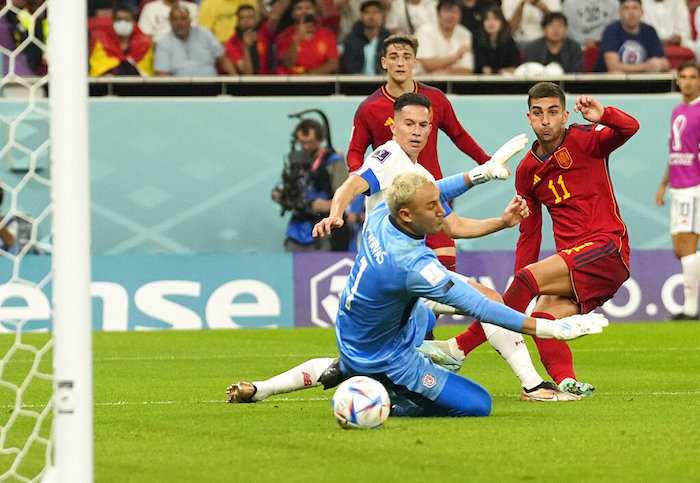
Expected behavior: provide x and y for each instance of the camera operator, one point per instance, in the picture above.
(308, 183)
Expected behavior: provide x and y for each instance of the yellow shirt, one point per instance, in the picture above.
(219, 16)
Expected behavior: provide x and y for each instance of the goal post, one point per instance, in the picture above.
(70, 195)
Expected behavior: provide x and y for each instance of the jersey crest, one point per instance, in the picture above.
(563, 158)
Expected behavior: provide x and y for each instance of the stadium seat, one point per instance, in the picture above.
(590, 55)
(676, 55)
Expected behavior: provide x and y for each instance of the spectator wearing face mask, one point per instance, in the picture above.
(121, 49)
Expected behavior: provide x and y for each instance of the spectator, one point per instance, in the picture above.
(350, 13)
(473, 12)
(8, 231)
(588, 18)
(525, 18)
(281, 15)
(121, 49)
(247, 49)
(32, 18)
(219, 16)
(363, 46)
(630, 45)
(308, 188)
(407, 16)
(188, 51)
(555, 46)
(305, 48)
(670, 19)
(495, 51)
(155, 17)
(447, 47)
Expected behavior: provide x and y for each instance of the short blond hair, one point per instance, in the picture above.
(403, 189)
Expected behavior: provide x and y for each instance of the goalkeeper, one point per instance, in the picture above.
(380, 322)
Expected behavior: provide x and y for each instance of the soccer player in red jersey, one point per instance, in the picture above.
(567, 172)
(373, 118)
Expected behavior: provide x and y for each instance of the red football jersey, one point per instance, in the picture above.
(574, 184)
(376, 114)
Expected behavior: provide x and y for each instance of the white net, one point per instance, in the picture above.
(25, 269)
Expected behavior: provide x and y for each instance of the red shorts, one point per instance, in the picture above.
(439, 240)
(596, 270)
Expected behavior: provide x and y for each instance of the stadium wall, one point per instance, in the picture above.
(183, 220)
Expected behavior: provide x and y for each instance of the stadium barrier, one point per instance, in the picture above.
(192, 292)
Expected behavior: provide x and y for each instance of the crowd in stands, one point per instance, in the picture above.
(296, 37)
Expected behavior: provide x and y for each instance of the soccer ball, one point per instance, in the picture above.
(361, 403)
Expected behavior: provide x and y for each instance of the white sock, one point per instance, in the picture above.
(511, 346)
(303, 376)
(691, 282)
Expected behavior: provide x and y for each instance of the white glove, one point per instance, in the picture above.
(571, 327)
(496, 168)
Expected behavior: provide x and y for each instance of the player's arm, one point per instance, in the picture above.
(359, 140)
(622, 125)
(457, 227)
(459, 136)
(527, 250)
(433, 282)
(352, 187)
(661, 190)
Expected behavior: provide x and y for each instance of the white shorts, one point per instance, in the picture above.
(685, 210)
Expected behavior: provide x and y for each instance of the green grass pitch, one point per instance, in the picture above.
(160, 414)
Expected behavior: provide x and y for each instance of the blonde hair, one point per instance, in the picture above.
(402, 190)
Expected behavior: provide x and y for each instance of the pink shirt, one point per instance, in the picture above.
(684, 166)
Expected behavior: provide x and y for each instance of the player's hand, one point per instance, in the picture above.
(659, 197)
(571, 327)
(590, 108)
(515, 211)
(496, 168)
(324, 227)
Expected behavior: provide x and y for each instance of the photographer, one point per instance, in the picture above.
(308, 183)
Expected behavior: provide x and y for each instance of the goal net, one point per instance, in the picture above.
(45, 322)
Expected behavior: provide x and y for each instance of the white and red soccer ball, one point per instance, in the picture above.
(361, 403)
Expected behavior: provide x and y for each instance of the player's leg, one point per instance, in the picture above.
(510, 345)
(685, 222)
(444, 248)
(596, 271)
(555, 355)
(303, 376)
(419, 388)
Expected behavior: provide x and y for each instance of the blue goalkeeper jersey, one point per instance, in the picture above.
(381, 318)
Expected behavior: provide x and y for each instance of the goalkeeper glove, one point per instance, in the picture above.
(496, 167)
(571, 327)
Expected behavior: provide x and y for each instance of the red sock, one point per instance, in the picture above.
(555, 354)
(472, 338)
(521, 292)
(449, 261)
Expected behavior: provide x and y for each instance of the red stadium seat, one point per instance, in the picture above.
(676, 55)
(590, 55)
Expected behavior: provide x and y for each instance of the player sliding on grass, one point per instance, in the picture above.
(381, 319)
(412, 114)
(566, 171)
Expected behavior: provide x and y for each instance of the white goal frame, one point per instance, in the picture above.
(70, 194)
